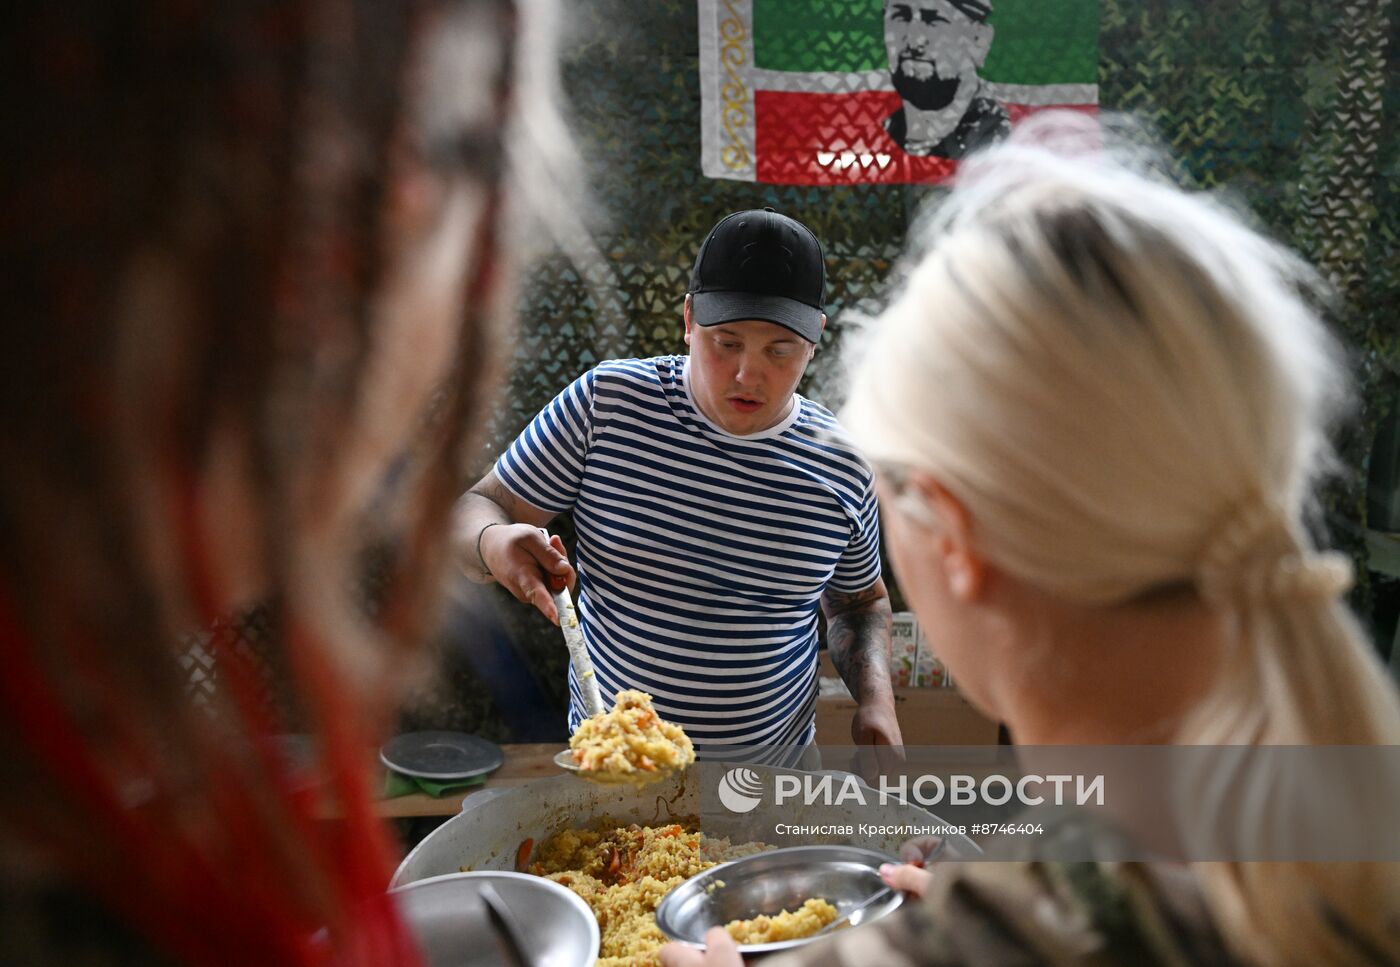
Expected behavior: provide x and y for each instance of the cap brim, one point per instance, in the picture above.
(713, 308)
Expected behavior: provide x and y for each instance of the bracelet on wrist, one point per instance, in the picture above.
(485, 570)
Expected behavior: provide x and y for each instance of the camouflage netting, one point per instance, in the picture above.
(1294, 106)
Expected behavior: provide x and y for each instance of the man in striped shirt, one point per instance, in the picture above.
(716, 510)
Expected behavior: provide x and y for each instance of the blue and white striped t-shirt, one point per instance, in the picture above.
(702, 556)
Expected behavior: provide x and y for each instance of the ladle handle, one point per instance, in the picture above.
(578, 653)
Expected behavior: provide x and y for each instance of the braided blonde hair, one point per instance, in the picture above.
(1123, 384)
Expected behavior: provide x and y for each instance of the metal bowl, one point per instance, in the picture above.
(449, 918)
(768, 883)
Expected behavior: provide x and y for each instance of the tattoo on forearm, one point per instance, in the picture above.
(856, 649)
(858, 636)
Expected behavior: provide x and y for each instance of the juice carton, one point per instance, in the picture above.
(904, 648)
(928, 670)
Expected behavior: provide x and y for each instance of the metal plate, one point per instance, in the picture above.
(441, 755)
(447, 916)
(767, 883)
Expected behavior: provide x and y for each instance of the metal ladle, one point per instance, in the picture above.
(588, 690)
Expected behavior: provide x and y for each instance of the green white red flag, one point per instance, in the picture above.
(800, 91)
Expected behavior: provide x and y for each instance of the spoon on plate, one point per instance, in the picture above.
(841, 921)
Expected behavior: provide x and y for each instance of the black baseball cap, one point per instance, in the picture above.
(760, 265)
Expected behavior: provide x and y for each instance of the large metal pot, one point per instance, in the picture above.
(488, 832)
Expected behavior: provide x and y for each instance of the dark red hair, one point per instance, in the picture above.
(194, 235)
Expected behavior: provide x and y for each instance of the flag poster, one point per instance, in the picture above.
(831, 92)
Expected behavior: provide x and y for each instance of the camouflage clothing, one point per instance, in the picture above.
(1025, 910)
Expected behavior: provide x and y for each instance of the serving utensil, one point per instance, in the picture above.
(588, 690)
(479, 918)
(845, 918)
(565, 760)
(583, 674)
(512, 939)
(578, 652)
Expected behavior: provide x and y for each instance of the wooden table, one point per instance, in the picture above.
(523, 764)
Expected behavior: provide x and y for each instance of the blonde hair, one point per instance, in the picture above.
(1128, 388)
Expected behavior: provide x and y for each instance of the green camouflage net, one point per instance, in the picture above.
(1294, 107)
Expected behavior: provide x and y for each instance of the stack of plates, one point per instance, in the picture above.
(441, 756)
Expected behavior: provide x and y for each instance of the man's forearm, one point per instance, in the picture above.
(477, 510)
(860, 649)
(858, 639)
